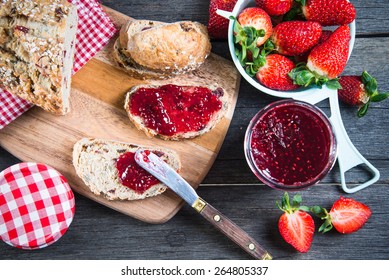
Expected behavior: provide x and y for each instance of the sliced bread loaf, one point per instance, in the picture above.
(187, 104)
(161, 50)
(37, 43)
(95, 163)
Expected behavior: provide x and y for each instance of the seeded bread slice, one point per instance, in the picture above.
(37, 43)
(95, 163)
(161, 50)
(139, 122)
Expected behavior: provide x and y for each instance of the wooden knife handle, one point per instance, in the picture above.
(232, 231)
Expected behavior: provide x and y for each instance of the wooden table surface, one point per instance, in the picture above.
(98, 232)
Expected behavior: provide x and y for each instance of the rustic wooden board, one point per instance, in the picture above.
(97, 101)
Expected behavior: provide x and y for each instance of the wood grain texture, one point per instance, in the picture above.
(97, 111)
(235, 233)
(371, 17)
(98, 232)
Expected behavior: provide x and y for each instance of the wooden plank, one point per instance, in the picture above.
(97, 111)
(236, 172)
(99, 233)
(372, 16)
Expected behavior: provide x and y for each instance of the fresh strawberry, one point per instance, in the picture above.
(325, 34)
(353, 91)
(330, 57)
(274, 73)
(360, 91)
(295, 37)
(218, 25)
(346, 216)
(328, 12)
(326, 61)
(296, 226)
(275, 7)
(271, 70)
(258, 19)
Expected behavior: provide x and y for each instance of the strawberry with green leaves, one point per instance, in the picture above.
(249, 37)
(272, 72)
(360, 91)
(218, 25)
(258, 19)
(328, 12)
(346, 215)
(295, 225)
(245, 40)
(295, 37)
(326, 61)
(275, 7)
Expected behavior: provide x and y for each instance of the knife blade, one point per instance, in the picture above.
(163, 172)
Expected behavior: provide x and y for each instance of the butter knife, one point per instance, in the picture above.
(163, 172)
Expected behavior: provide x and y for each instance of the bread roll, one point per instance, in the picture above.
(151, 49)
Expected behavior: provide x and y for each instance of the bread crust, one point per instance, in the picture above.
(162, 50)
(36, 51)
(94, 161)
(132, 69)
(139, 124)
(133, 27)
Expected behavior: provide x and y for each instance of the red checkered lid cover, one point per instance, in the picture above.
(36, 205)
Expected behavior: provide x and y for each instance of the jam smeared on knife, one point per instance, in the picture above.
(291, 145)
(132, 175)
(172, 109)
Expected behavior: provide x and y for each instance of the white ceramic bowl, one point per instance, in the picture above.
(239, 7)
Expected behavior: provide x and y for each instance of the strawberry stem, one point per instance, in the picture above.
(323, 214)
(295, 11)
(303, 76)
(371, 88)
(302, 2)
(295, 206)
(245, 39)
(363, 109)
(370, 83)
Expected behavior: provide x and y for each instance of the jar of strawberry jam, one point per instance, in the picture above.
(290, 145)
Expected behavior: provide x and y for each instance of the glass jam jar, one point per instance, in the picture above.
(290, 145)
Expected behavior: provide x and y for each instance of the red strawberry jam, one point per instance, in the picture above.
(172, 109)
(132, 175)
(291, 145)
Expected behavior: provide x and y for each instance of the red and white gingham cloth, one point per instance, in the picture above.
(36, 205)
(95, 29)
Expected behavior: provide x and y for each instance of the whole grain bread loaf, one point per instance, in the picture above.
(95, 163)
(140, 123)
(37, 42)
(152, 49)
